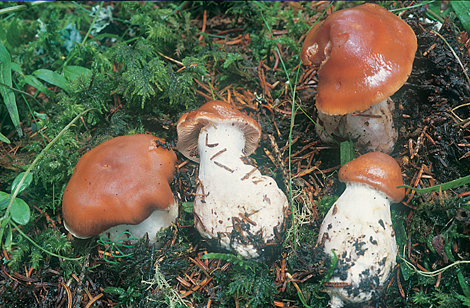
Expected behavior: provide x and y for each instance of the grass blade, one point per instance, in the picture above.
(4, 138)
(7, 94)
(33, 81)
(444, 186)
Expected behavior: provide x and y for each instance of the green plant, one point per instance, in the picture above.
(234, 259)
(15, 210)
(7, 94)
(442, 271)
(126, 296)
(170, 297)
(113, 247)
(461, 9)
(49, 240)
(346, 151)
(249, 282)
(146, 75)
(256, 290)
(19, 210)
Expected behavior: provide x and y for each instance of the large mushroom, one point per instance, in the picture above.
(358, 228)
(365, 55)
(235, 206)
(122, 185)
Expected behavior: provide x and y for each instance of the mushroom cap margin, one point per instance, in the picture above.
(213, 112)
(378, 170)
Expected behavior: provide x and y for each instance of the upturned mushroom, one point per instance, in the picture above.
(358, 228)
(122, 185)
(365, 55)
(235, 206)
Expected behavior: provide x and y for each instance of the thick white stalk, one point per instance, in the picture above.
(235, 205)
(358, 227)
(158, 220)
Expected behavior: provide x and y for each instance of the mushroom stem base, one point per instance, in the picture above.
(157, 221)
(358, 227)
(372, 129)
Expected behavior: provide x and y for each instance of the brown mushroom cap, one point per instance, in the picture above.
(366, 54)
(190, 124)
(378, 170)
(121, 181)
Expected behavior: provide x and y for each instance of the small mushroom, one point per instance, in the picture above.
(365, 55)
(358, 227)
(235, 206)
(122, 185)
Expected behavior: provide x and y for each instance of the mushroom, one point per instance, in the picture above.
(365, 55)
(235, 206)
(122, 185)
(358, 228)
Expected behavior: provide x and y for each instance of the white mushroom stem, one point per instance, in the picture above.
(157, 221)
(358, 227)
(235, 205)
(373, 128)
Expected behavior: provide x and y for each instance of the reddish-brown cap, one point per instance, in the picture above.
(366, 54)
(121, 181)
(190, 124)
(378, 170)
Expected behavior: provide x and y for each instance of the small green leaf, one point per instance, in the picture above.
(105, 35)
(334, 261)
(346, 152)
(463, 284)
(402, 239)
(406, 271)
(20, 211)
(187, 207)
(462, 10)
(15, 67)
(232, 58)
(400, 233)
(8, 237)
(53, 78)
(27, 181)
(31, 80)
(4, 200)
(3, 138)
(115, 290)
(429, 239)
(465, 300)
(4, 221)
(73, 72)
(13, 34)
(41, 116)
(7, 94)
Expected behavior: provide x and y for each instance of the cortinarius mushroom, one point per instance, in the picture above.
(235, 205)
(358, 227)
(365, 55)
(122, 185)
